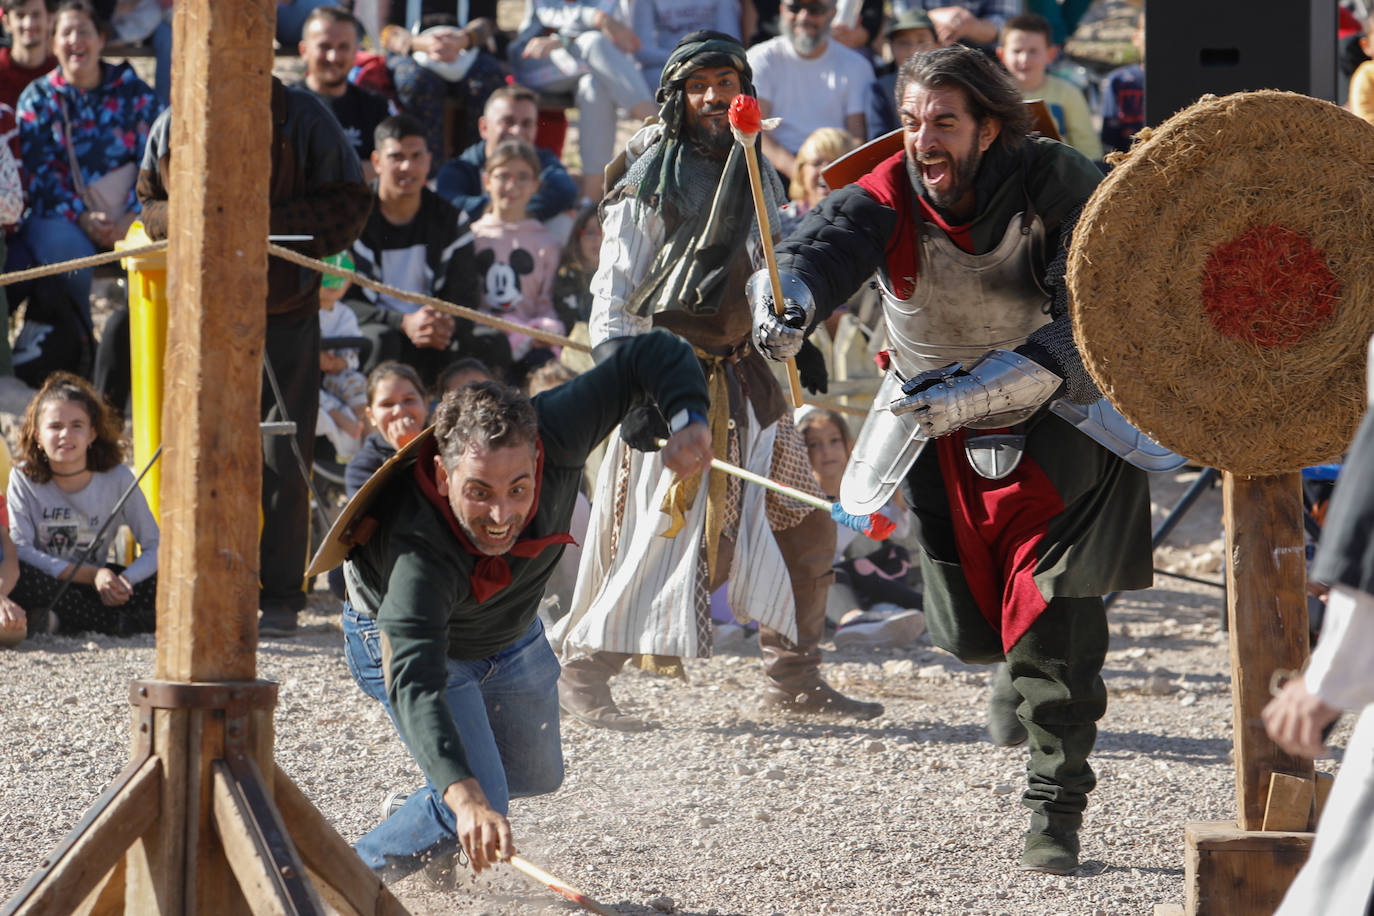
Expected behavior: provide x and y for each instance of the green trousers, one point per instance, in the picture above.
(1056, 666)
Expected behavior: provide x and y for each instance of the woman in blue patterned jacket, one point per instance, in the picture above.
(92, 114)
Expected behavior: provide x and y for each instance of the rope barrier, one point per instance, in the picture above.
(557, 340)
(61, 267)
(295, 257)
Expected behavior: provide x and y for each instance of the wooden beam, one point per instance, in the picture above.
(1228, 871)
(217, 290)
(1266, 581)
(260, 853)
(120, 816)
(1290, 803)
(343, 879)
(108, 897)
(1323, 791)
(156, 864)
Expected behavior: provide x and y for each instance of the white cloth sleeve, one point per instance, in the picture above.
(140, 520)
(632, 234)
(24, 505)
(1339, 671)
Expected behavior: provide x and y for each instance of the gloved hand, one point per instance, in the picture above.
(815, 377)
(779, 337)
(642, 427)
(1003, 385)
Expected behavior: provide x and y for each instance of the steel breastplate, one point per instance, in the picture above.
(964, 305)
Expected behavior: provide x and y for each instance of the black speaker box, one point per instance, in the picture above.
(1193, 47)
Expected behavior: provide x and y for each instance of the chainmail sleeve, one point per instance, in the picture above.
(1052, 345)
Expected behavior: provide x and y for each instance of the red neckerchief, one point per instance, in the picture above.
(890, 185)
(489, 574)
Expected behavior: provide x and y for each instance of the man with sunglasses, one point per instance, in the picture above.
(680, 239)
(1024, 519)
(808, 80)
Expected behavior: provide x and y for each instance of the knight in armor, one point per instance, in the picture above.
(1025, 522)
(681, 240)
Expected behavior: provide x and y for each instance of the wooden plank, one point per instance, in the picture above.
(217, 288)
(272, 879)
(108, 897)
(1168, 909)
(119, 818)
(210, 885)
(1289, 805)
(1228, 871)
(1323, 785)
(1266, 580)
(155, 880)
(343, 876)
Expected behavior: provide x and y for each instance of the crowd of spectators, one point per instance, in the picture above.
(456, 130)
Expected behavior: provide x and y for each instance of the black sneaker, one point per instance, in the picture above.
(278, 622)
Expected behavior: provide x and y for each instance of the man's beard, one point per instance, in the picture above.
(712, 137)
(804, 42)
(963, 173)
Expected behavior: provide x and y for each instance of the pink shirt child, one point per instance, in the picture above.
(518, 261)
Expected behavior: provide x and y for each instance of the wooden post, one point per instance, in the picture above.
(1240, 867)
(1266, 582)
(212, 462)
(193, 815)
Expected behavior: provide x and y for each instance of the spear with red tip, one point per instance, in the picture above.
(745, 123)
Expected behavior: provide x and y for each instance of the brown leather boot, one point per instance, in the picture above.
(584, 692)
(793, 668)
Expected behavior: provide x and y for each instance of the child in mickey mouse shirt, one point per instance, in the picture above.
(518, 257)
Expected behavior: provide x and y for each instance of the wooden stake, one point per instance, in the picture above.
(1266, 581)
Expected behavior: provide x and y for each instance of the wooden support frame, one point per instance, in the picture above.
(191, 825)
(1246, 866)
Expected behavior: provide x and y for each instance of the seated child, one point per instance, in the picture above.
(343, 389)
(459, 373)
(572, 295)
(61, 497)
(13, 619)
(870, 600)
(516, 254)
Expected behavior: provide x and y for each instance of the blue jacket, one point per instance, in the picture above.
(460, 183)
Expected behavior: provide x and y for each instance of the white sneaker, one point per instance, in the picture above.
(892, 631)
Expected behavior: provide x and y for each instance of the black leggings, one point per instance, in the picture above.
(80, 608)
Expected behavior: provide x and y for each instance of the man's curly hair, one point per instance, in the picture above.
(483, 416)
(106, 449)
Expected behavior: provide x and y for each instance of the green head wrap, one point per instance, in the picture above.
(703, 48)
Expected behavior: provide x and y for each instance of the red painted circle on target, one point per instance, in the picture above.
(1268, 286)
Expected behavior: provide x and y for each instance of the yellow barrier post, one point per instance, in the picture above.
(147, 346)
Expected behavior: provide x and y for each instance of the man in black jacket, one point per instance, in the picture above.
(317, 192)
(420, 243)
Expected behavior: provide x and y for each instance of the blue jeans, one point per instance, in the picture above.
(506, 709)
(54, 239)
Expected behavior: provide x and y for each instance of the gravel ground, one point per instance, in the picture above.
(726, 809)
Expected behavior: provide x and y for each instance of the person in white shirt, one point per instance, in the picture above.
(808, 80)
(1339, 874)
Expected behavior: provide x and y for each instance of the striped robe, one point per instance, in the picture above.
(639, 592)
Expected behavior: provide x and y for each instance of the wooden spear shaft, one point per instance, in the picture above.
(751, 159)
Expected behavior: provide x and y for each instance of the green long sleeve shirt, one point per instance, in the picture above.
(412, 573)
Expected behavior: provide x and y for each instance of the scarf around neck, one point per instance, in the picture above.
(490, 574)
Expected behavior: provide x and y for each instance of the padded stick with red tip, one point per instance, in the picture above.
(561, 887)
(876, 525)
(746, 120)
